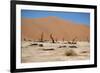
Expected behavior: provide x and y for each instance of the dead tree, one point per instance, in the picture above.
(24, 39)
(69, 42)
(42, 35)
(88, 39)
(56, 40)
(74, 41)
(53, 41)
(63, 39)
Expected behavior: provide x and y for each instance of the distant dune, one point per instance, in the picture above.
(32, 28)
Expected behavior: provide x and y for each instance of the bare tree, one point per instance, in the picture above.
(42, 36)
(69, 42)
(24, 39)
(56, 40)
(63, 39)
(74, 41)
(88, 39)
(53, 41)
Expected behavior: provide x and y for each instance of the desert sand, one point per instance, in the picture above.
(54, 39)
(34, 52)
(32, 28)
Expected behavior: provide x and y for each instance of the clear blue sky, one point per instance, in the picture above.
(78, 17)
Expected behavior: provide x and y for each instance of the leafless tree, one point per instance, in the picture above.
(88, 39)
(74, 40)
(42, 36)
(51, 36)
(24, 39)
(56, 40)
(63, 39)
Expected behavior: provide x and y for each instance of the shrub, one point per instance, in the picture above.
(70, 52)
(40, 45)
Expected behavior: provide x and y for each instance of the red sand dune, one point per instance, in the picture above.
(32, 28)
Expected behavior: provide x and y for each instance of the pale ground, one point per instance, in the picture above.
(53, 51)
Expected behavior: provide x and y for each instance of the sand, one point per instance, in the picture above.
(47, 29)
(59, 51)
(32, 28)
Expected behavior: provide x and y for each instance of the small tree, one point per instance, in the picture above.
(88, 39)
(24, 39)
(42, 35)
(63, 39)
(53, 41)
(56, 40)
(74, 41)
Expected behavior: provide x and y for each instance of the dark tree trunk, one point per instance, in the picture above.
(53, 41)
(42, 35)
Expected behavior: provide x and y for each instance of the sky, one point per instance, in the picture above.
(78, 17)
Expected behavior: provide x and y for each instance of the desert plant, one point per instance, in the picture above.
(69, 42)
(73, 46)
(63, 39)
(48, 49)
(29, 40)
(64, 46)
(56, 40)
(84, 51)
(24, 39)
(74, 41)
(53, 41)
(70, 52)
(40, 45)
(88, 39)
(33, 44)
(42, 35)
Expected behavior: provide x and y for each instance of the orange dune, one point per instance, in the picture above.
(32, 28)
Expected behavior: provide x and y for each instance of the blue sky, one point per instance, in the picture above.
(78, 17)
